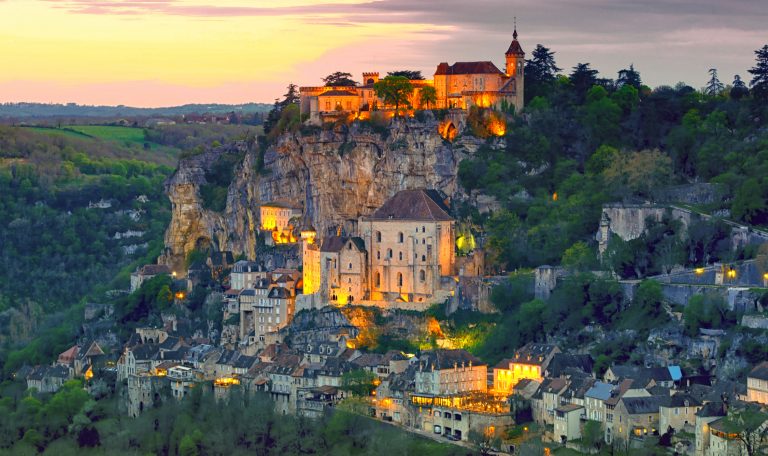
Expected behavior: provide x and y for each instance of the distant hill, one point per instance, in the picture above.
(24, 110)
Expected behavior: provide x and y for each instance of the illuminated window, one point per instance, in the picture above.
(327, 105)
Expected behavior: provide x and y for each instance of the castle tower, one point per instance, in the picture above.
(310, 257)
(515, 57)
(370, 78)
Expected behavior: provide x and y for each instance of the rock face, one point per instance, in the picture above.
(337, 176)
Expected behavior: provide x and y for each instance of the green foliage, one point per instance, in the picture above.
(394, 91)
(358, 382)
(218, 178)
(706, 311)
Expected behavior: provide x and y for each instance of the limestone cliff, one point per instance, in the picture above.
(337, 175)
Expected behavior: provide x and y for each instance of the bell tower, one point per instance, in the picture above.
(515, 57)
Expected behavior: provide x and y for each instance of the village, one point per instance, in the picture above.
(403, 257)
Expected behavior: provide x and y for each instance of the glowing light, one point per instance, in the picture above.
(765, 276)
(731, 273)
(89, 373)
(447, 130)
(699, 271)
(554, 196)
(497, 127)
(226, 381)
(350, 344)
(173, 273)
(180, 295)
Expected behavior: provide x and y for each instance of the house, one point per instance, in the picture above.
(594, 400)
(147, 272)
(757, 384)
(182, 379)
(567, 425)
(566, 363)
(245, 273)
(530, 362)
(445, 372)
(547, 399)
(343, 269)
(48, 379)
(679, 412)
(709, 412)
(636, 418)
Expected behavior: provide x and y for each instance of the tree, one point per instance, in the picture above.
(592, 436)
(639, 172)
(629, 76)
(759, 73)
(408, 74)
(749, 204)
(339, 79)
(583, 78)
(714, 87)
(359, 382)
(486, 441)
(394, 90)
(579, 257)
(291, 96)
(428, 96)
(540, 72)
(751, 428)
(739, 89)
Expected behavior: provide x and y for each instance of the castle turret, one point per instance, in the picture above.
(370, 77)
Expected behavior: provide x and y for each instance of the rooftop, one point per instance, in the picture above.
(418, 204)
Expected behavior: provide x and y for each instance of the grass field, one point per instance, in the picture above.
(110, 133)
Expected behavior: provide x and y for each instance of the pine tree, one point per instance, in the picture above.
(291, 96)
(739, 89)
(540, 72)
(714, 86)
(629, 76)
(759, 72)
(583, 78)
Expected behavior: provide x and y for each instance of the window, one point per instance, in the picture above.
(399, 279)
(423, 258)
(378, 236)
(350, 265)
(378, 279)
(423, 229)
(327, 105)
(378, 255)
(422, 276)
(389, 253)
(400, 238)
(423, 240)
(349, 105)
(400, 255)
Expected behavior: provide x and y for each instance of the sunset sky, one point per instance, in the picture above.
(166, 52)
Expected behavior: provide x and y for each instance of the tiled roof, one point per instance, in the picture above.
(446, 359)
(760, 371)
(642, 405)
(486, 67)
(413, 205)
(154, 269)
(515, 48)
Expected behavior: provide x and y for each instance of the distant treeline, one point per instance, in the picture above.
(25, 110)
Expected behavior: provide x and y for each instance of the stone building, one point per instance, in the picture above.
(529, 362)
(410, 240)
(147, 272)
(757, 384)
(276, 219)
(461, 85)
(403, 252)
(446, 372)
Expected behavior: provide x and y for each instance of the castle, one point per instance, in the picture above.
(402, 253)
(458, 86)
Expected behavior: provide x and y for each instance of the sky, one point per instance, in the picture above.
(152, 53)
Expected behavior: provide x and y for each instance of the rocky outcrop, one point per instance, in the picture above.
(337, 175)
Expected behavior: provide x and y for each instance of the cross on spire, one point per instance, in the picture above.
(514, 34)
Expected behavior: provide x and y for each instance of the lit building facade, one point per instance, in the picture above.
(458, 86)
(757, 384)
(529, 362)
(276, 219)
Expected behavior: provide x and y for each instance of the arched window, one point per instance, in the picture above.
(423, 229)
(378, 279)
(378, 254)
(400, 238)
(400, 254)
(423, 240)
(422, 276)
(378, 236)
(350, 265)
(389, 253)
(399, 279)
(423, 258)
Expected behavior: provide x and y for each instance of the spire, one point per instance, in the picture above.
(514, 34)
